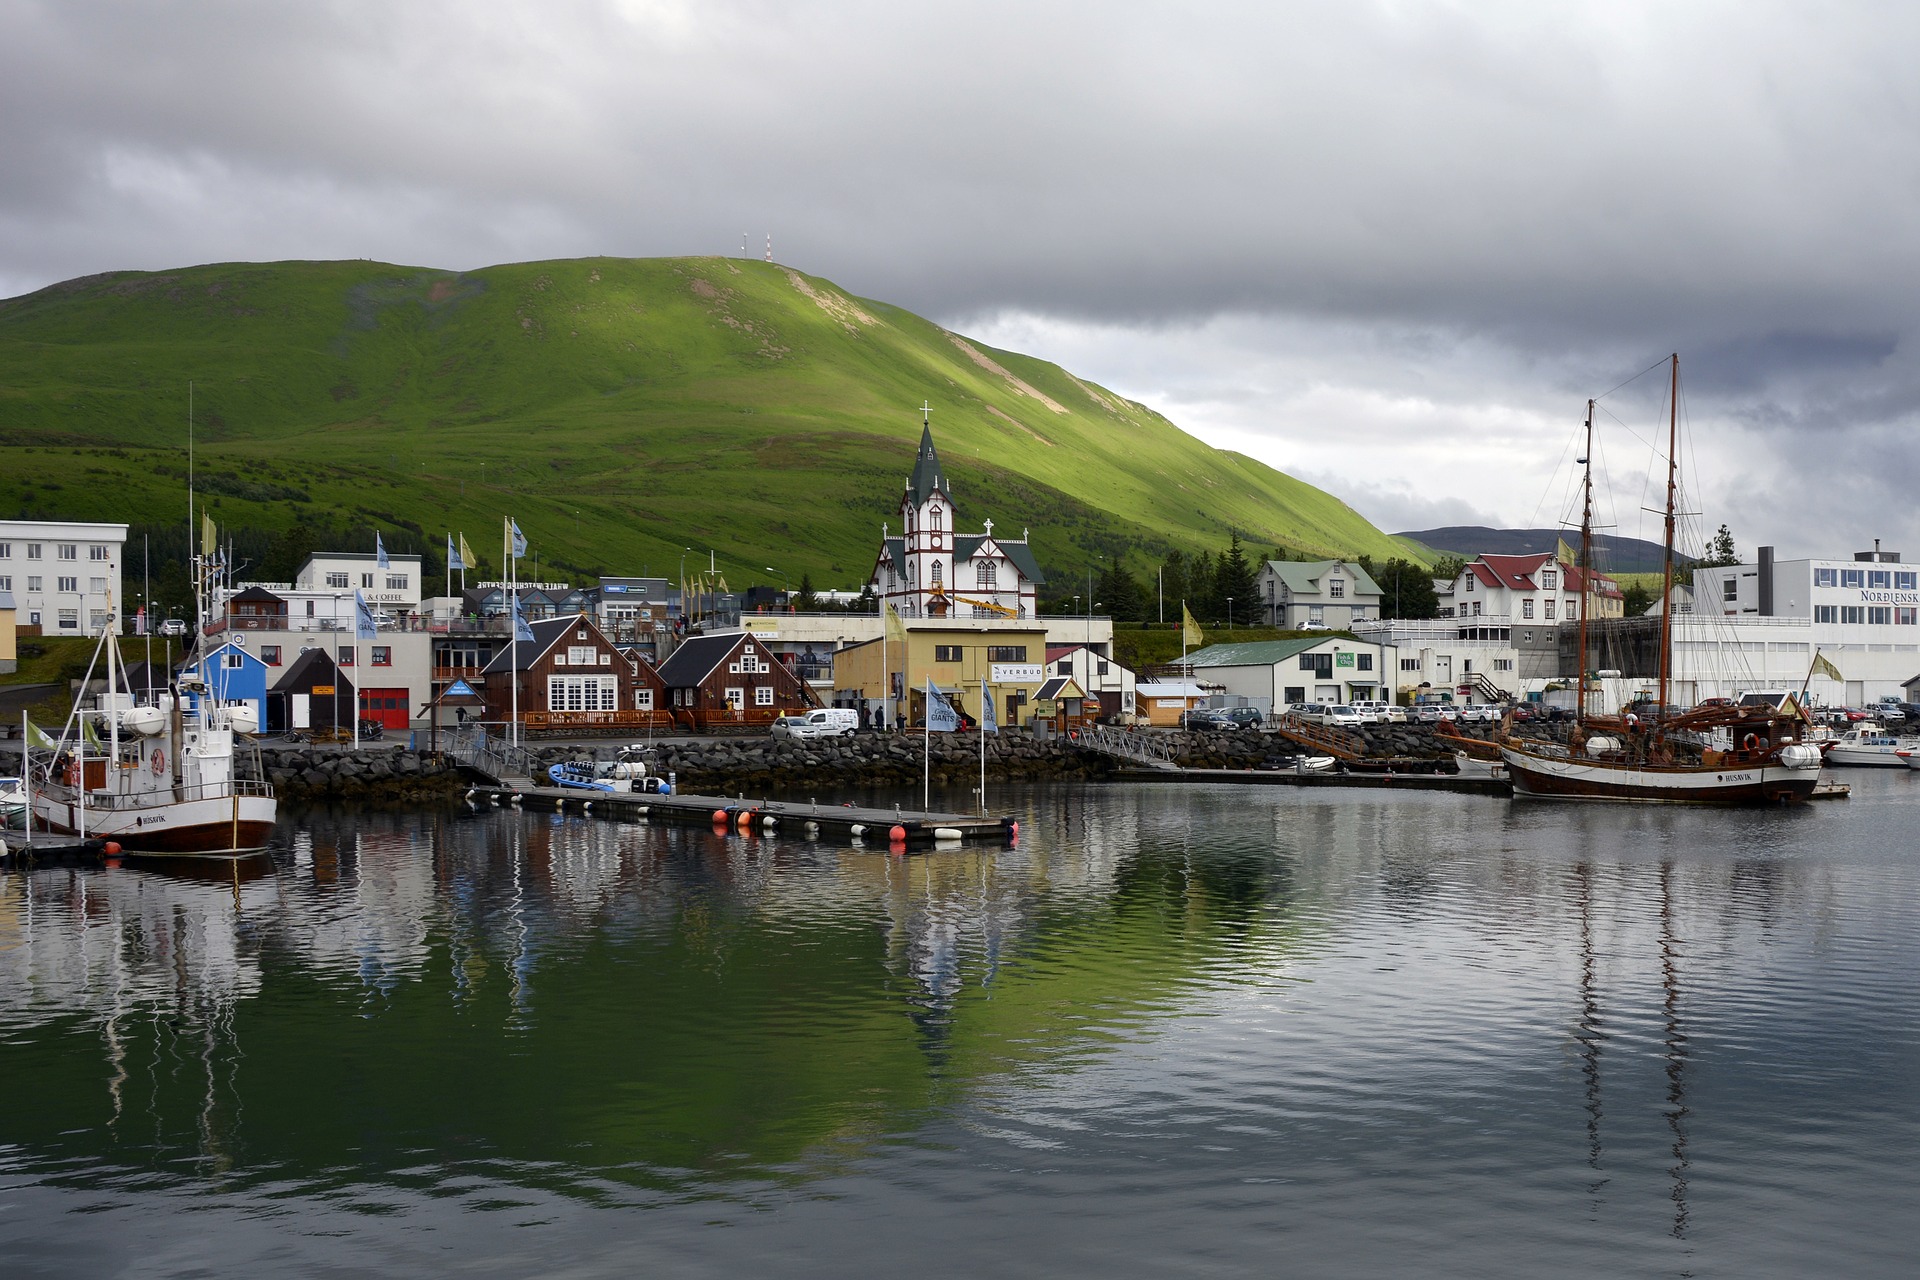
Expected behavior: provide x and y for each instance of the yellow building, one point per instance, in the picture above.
(9, 645)
(956, 654)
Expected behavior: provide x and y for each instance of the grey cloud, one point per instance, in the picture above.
(1456, 221)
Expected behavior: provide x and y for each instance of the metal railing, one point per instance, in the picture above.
(478, 749)
(1140, 748)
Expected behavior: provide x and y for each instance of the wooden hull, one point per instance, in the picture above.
(218, 825)
(1565, 778)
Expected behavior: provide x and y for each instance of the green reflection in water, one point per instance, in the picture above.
(574, 1006)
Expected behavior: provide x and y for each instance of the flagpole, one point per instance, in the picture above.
(926, 758)
(513, 633)
(981, 724)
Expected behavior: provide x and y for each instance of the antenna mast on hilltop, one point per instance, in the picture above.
(743, 244)
(769, 246)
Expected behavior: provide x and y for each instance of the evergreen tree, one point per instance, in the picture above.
(1720, 551)
(1406, 589)
(1200, 594)
(1235, 579)
(1175, 583)
(804, 600)
(1121, 596)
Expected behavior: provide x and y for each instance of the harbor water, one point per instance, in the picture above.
(1177, 1029)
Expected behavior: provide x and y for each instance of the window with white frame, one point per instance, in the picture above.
(6, 551)
(396, 582)
(34, 581)
(33, 551)
(583, 693)
(68, 584)
(986, 575)
(1336, 588)
(643, 699)
(366, 581)
(97, 585)
(1549, 580)
(763, 695)
(6, 582)
(69, 550)
(97, 552)
(337, 580)
(70, 619)
(1826, 613)
(736, 698)
(1549, 611)
(1826, 577)
(938, 571)
(96, 618)
(583, 655)
(1526, 608)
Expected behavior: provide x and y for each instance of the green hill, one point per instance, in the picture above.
(622, 410)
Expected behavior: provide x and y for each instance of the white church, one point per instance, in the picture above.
(932, 570)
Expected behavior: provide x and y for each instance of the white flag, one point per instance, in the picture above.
(941, 717)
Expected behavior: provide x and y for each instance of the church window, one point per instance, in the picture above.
(984, 575)
(937, 525)
(936, 573)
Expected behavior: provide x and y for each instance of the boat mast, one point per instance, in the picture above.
(1586, 562)
(1666, 589)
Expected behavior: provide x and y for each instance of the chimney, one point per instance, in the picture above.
(1766, 582)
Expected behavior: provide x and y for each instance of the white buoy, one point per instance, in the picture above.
(813, 828)
(769, 822)
(946, 833)
(859, 829)
(586, 806)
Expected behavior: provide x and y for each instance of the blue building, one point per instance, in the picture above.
(234, 675)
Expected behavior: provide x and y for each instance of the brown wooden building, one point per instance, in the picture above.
(731, 681)
(573, 680)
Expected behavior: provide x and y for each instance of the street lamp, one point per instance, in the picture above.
(1229, 614)
(786, 587)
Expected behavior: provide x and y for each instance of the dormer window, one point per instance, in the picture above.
(1336, 588)
(1549, 580)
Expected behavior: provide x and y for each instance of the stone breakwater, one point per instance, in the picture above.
(372, 773)
(723, 766)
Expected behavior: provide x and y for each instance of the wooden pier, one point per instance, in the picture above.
(891, 827)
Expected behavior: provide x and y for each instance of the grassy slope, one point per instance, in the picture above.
(622, 409)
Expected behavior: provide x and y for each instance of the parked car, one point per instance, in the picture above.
(1244, 717)
(1435, 713)
(1342, 716)
(175, 627)
(1392, 713)
(826, 722)
(1525, 712)
(1479, 713)
(1307, 712)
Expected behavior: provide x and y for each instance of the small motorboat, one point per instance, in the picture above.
(1868, 744)
(620, 776)
(13, 803)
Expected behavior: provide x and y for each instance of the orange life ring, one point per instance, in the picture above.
(159, 762)
(1751, 741)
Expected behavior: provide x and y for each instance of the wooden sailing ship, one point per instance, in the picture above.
(1729, 755)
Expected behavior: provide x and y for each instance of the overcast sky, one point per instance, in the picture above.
(1389, 247)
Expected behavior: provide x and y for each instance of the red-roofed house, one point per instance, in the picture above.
(1535, 588)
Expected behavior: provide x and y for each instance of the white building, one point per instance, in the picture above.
(1275, 673)
(397, 588)
(934, 571)
(1464, 658)
(65, 577)
(1096, 674)
(1862, 614)
(1533, 588)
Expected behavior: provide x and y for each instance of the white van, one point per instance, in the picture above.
(828, 722)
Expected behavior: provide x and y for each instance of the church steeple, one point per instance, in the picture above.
(928, 476)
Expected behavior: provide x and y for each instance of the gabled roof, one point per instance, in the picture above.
(1060, 687)
(1170, 689)
(927, 478)
(1055, 652)
(1257, 653)
(254, 595)
(522, 654)
(1303, 576)
(696, 658)
(315, 666)
(1522, 573)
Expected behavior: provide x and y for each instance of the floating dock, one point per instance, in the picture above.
(895, 827)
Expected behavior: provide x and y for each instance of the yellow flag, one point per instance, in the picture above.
(208, 540)
(1822, 667)
(1190, 634)
(896, 629)
(1564, 554)
(466, 553)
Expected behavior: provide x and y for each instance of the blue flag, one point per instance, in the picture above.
(363, 625)
(521, 631)
(380, 551)
(519, 538)
(453, 555)
(941, 717)
(987, 724)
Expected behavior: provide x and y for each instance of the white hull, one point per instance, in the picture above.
(1567, 778)
(217, 824)
(1884, 757)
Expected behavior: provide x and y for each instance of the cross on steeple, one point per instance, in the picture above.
(926, 413)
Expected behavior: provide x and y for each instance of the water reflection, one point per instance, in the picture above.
(1239, 989)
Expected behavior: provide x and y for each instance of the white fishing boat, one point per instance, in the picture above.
(179, 776)
(13, 803)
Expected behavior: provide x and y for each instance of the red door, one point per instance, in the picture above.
(388, 706)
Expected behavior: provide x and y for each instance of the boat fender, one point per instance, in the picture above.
(858, 829)
(1751, 741)
(769, 822)
(897, 835)
(813, 828)
(946, 833)
(665, 789)
(111, 849)
(586, 806)
(514, 798)
(746, 820)
(719, 815)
